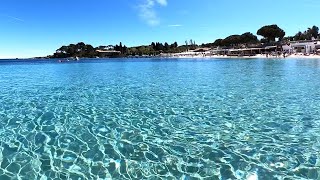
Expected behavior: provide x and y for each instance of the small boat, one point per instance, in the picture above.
(77, 58)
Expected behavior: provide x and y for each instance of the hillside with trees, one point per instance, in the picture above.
(269, 34)
(76, 50)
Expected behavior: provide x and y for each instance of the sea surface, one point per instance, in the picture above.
(160, 119)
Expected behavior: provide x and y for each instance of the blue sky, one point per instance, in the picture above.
(31, 28)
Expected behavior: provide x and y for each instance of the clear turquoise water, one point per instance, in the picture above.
(168, 119)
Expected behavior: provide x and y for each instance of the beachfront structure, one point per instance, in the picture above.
(203, 50)
(244, 52)
(107, 53)
(219, 51)
(317, 48)
(247, 51)
(199, 52)
(277, 50)
(304, 47)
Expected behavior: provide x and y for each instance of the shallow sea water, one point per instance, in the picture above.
(160, 119)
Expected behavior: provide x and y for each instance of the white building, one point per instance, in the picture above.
(318, 48)
(304, 47)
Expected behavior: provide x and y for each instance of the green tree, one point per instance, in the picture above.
(166, 47)
(232, 40)
(218, 42)
(153, 45)
(248, 37)
(159, 46)
(298, 36)
(314, 31)
(175, 44)
(124, 50)
(271, 32)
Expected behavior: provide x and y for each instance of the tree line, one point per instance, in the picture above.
(309, 34)
(270, 33)
(85, 50)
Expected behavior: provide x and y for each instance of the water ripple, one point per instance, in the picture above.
(160, 120)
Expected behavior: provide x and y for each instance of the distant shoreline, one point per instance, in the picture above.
(293, 56)
(247, 57)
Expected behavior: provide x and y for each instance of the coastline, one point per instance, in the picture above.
(186, 56)
(293, 56)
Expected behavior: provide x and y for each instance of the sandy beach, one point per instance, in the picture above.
(201, 56)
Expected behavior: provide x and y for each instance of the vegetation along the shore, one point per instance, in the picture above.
(272, 34)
